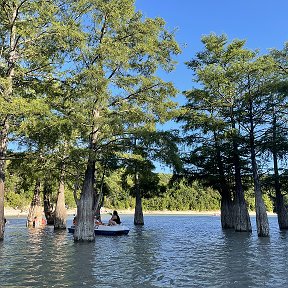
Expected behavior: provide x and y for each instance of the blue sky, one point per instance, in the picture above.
(262, 23)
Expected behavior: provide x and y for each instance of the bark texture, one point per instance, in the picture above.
(282, 213)
(2, 181)
(3, 146)
(60, 210)
(48, 207)
(34, 218)
(84, 229)
(227, 215)
(261, 214)
(138, 215)
(281, 210)
(241, 216)
(4, 125)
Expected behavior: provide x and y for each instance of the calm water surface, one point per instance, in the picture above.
(169, 251)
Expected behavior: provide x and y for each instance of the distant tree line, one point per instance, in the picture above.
(170, 196)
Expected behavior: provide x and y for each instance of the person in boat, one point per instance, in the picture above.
(98, 220)
(115, 219)
(75, 221)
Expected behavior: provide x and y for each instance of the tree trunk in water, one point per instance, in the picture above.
(2, 222)
(48, 208)
(281, 210)
(84, 229)
(227, 217)
(60, 211)
(34, 218)
(3, 147)
(7, 93)
(241, 216)
(261, 214)
(2, 181)
(282, 213)
(138, 215)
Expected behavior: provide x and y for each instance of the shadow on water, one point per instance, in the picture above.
(235, 260)
(44, 258)
(64, 262)
(144, 249)
(250, 261)
(126, 261)
(81, 262)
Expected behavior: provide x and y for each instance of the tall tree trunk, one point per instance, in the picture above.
(3, 147)
(138, 215)
(84, 229)
(34, 218)
(48, 207)
(281, 210)
(60, 210)
(5, 121)
(282, 213)
(241, 216)
(100, 197)
(2, 181)
(227, 215)
(261, 214)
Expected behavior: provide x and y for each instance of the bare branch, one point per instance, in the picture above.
(114, 71)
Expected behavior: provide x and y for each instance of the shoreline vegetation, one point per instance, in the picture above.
(11, 212)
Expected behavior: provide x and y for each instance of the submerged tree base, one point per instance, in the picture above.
(241, 218)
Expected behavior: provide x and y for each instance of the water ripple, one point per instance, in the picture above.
(169, 251)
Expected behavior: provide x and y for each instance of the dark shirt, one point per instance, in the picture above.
(117, 220)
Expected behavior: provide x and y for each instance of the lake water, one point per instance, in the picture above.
(168, 251)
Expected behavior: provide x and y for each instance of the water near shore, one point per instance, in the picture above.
(169, 251)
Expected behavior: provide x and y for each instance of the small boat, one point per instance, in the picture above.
(106, 230)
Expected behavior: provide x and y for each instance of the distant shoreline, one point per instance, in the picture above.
(11, 212)
(24, 213)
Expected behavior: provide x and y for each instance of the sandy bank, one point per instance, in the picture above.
(11, 212)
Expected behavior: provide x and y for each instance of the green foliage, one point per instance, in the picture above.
(78, 81)
(179, 196)
(239, 109)
(250, 200)
(17, 196)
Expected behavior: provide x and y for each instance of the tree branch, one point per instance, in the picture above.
(144, 89)
(103, 30)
